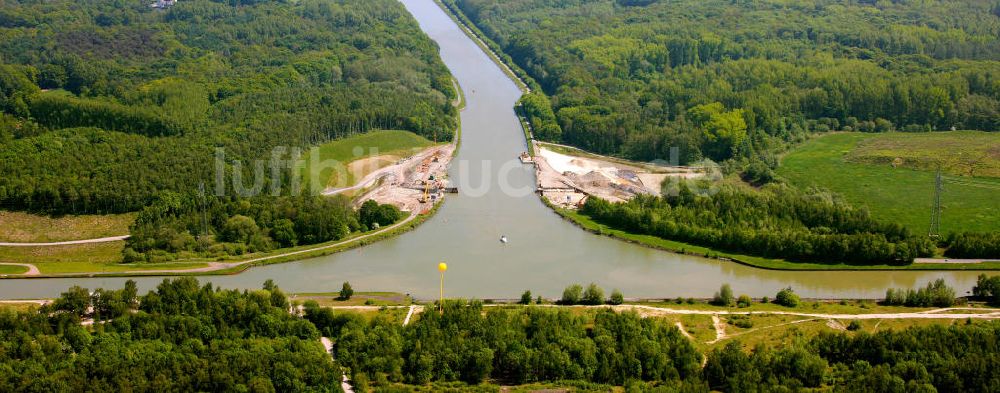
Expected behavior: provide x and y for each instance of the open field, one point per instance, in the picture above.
(13, 269)
(94, 253)
(386, 143)
(959, 153)
(20, 227)
(899, 194)
(80, 258)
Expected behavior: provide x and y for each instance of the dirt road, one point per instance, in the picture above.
(343, 381)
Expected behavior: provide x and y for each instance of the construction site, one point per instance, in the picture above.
(413, 184)
(568, 180)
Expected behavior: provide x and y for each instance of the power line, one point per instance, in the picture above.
(936, 211)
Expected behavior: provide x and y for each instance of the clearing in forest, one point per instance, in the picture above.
(901, 189)
(377, 148)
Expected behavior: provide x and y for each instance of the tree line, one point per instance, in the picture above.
(184, 225)
(774, 222)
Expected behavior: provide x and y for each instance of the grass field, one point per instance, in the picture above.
(958, 153)
(901, 194)
(80, 258)
(13, 269)
(344, 151)
(19, 227)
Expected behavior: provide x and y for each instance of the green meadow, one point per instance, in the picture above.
(893, 175)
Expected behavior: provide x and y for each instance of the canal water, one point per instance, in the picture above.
(544, 252)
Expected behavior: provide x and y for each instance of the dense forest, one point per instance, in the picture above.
(105, 105)
(180, 337)
(776, 221)
(735, 79)
(178, 225)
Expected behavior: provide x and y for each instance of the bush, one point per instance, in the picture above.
(743, 301)
(787, 297)
(346, 291)
(724, 297)
(525, 298)
(616, 297)
(571, 295)
(987, 288)
(593, 295)
(854, 326)
(740, 321)
(936, 294)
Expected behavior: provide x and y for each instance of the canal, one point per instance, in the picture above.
(544, 252)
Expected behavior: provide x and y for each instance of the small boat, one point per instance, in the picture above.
(503, 239)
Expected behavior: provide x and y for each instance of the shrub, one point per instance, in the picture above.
(724, 297)
(571, 295)
(936, 294)
(346, 291)
(525, 298)
(854, 326)
(740, 321)
(787, 297)
(616, 297)
(743, 301)
(593, 295)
